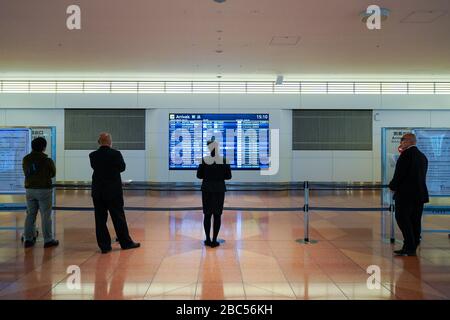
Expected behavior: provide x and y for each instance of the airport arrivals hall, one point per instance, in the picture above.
(224, 150)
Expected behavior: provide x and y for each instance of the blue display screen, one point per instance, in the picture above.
(243, 139)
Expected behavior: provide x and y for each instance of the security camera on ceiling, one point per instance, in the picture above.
(279, 80)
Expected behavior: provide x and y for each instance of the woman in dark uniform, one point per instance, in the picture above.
(214, 171)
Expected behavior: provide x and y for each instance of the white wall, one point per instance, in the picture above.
(71, 165)
(152, 164)
(362, 165)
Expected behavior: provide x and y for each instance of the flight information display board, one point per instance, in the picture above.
(15, 143)
(389, 156)
(49, 134)
(435, 144)
(243, 139)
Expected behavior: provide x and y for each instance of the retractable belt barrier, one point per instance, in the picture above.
(339, 186)
(187, 186)
(306, 208)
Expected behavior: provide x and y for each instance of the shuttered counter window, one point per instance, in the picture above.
(332, 129)
(82, 127)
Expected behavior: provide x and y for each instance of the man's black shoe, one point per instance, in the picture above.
(51, 243)
(404, 253)
(29, 244)
(207, 242)
(106, 250)
(132, 246)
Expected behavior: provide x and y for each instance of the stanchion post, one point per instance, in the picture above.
(392, 212)
(306, 239)
(53, 214)
(383, 220)
(306, 212)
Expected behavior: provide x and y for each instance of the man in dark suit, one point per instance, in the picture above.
(107, 194)
(214, 171)
(410, 193)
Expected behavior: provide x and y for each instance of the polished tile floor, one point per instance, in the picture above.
(259, 260)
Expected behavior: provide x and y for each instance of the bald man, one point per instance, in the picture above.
(410, 193)
(107, 194)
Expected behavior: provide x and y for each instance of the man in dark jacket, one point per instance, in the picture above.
(107, 194)
(214, 171)
(39, 171)
(410, 193)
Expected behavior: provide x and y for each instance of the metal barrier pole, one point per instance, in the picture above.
(392, 212)
(383, 218)
(306, 239)
(53, 213)
(306, 212)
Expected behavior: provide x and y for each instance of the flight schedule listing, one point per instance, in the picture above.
(435, 144)
(14, 145)
(243, 139)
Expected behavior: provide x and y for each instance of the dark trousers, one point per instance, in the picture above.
(409, 220)
(212, 206)
(104, 202)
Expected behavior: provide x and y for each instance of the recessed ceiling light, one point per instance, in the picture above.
(219, 51)
(284, 40)
(423, 16)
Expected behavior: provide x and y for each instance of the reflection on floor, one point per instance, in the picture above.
(259, 260)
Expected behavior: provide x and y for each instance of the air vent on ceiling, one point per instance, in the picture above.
(423, 16)
(232, 87)
(284, 40)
